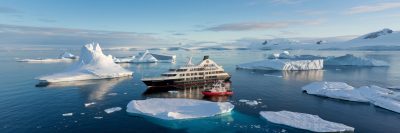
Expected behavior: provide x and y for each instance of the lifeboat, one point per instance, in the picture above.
(218, 89)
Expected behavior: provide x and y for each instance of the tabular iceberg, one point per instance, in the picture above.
(283, 64)
(376, 95)
(304, 121)
(351, 60)
(92, 64)
(145, 57)
(64, 57)
(174, 108)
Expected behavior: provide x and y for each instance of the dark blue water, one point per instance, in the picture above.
(26, 108)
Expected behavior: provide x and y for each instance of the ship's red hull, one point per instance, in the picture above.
(208, 93)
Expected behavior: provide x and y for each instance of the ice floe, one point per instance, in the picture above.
(98, 117)
(174, 108)
(351, 60)
(92, 64)
(249, 102)
(304, 121)
(67, 114)
(283, 64)
(112, 110)
(375, 95)
(89, 104)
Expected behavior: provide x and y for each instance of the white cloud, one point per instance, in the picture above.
(247, 26)
(373, 8)
(13, 35)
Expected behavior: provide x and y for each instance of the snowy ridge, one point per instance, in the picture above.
(174, 108)
(304, 121)
(92, 64)
(376, 95)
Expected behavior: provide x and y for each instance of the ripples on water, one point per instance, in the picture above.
(26, 108)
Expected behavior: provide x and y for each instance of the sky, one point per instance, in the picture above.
(170, 22)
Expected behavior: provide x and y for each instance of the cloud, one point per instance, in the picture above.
(261, 25)
(8, 10)
(14, 35)
(373, 8)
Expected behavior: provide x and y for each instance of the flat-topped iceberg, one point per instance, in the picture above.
(351, 60)
(92, 64)
(173, 108)
(283, 64)
(164, 57)
(376, 95)
(304, 121)
(64, 57)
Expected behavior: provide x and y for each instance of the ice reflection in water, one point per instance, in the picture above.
(311, 75)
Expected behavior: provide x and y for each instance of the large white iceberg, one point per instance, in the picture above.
(92, 64)
(164, 57)
(304, 121)
(283, 64)
(173, 108)
(376, 95)
(351, 60)
(64, 57)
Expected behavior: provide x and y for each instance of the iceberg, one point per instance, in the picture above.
(143, 57)
(67, 114)
(283, 64)
(164, 57)
(64, 57)
(351, 60)
(124, 59)
(304, 121)
(283, 55)
(92, 64)
(375, 95)
(175, 108)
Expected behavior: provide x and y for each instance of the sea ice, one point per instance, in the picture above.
(111, 110)
(304, 121)
(98, 117)
(283, 64)
(92, 64)
(89, 104)
(375, 95)
(174, 108)
(67, 114)
(351, 60)
(249, 102)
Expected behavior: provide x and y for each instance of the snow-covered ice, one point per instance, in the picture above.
(376, 95)
(89, 104)
(304, 121)
(164, 57)
(124, 59)
(64, 57)
(67, 55)
(67, 114)
(283, 55)
(283, 64)
(142, 57)
(175, 108)
(351, 60)
(112, 110)
(92, 64)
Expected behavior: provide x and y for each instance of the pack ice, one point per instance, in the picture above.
(175, 108)
(375, 95)
(304, 121)
(92, 64)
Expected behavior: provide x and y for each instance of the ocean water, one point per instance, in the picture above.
(26, 108)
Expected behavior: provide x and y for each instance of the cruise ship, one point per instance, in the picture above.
(207, 71)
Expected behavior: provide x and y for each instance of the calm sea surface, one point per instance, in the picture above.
(26, 108)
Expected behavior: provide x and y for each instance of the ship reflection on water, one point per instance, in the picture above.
(187, 91)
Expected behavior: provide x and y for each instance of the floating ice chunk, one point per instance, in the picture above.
(376, 95)
(123, 59)
(283, 64)
(46, 60)
(338, 90)
(164, 57)
(92, 64)
(249, 102)
(67, 55)
(98, 117)
(111, 110)
(89, 104)
(112, 94)
(351, 60)
(173, 108)
(270, 75)
(304, 121)
(67, 114)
